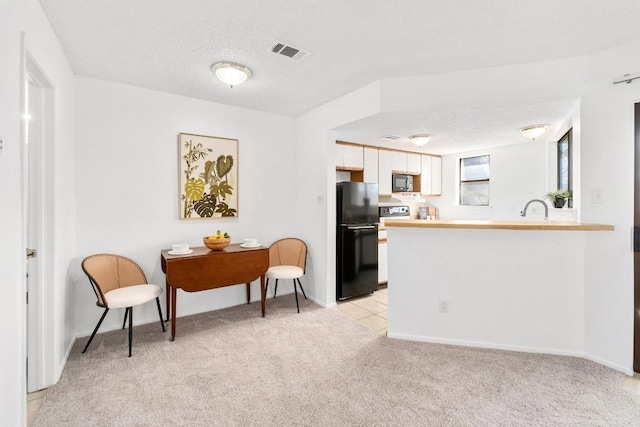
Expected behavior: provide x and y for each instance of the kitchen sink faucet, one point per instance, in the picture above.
(546, 208)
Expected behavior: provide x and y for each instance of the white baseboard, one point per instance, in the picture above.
(507, 347)
(309, 297)
(627, 371)
(64, 360)
(489, 345)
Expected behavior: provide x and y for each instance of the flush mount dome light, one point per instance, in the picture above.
(420, 139)
(231, 73)
(533, 131)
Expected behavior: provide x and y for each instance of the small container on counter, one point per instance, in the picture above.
(427, 212)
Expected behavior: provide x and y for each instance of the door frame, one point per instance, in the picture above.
(636, 237)
(39, 314)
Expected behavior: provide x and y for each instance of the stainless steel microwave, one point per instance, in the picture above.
(401, 183)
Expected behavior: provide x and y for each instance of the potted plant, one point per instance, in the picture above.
(558, 197)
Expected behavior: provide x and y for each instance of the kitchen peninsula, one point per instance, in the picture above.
(513, 285)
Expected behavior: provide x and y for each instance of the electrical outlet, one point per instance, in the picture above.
(597, 196)
(444, 306)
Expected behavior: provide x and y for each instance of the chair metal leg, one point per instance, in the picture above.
(266, 288)
(95, 330)
(300, 284)
(295, 291)
(275, 289)
(130, 329)
(126, 312)
(160, 313)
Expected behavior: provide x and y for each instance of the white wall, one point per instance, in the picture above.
(506, 289)
(127, 191)
(316, 176)
(608, 165)
(27, 16)
(545, 80)
(518, 174)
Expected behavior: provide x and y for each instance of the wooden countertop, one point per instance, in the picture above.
(499, 225)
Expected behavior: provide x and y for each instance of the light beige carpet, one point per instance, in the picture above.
(319, 368)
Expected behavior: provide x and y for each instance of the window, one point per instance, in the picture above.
(474, 181)
(564, 164)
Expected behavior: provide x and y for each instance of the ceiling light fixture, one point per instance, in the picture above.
(533, 131)
(231, 73)
(420, 139)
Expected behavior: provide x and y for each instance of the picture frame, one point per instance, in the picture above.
(208, 182)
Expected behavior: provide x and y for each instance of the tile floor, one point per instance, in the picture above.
(370, 310)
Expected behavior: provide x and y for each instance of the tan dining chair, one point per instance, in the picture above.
(119, 282)
(287, 260)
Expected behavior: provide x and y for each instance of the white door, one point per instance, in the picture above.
(38, 239)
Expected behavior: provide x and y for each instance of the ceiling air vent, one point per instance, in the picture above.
(289, 51)
(391, 137)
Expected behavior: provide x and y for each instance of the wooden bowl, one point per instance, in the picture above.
(216, 244)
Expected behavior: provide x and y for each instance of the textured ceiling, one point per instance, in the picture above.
(458, 129)
(170, 45)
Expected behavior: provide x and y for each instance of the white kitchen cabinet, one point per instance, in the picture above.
(349, 157)
(405, 162)
(353, 156)
(339, 153)
(370, 164)
(414, 163)
(399, 161)
(431, 176)
(383, 272)
(425, 176)
(385, 161)
(436, 175)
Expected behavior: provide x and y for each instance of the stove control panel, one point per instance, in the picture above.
(394, 211)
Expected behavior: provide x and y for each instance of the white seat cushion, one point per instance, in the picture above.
(132, 295)
(284, 272)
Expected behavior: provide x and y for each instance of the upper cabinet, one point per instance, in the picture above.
(399, 161)
(349, 157)
(404, 162)
(414, 166)
(431, 176)
(385, 162)
(436, 175)
(370, 164)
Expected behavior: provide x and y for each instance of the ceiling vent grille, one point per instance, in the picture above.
(391, 137)
(289, 51)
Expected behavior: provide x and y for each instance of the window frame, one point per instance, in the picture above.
(567, 139)
(463, 181)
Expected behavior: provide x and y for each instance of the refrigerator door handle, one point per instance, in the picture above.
(362, 227)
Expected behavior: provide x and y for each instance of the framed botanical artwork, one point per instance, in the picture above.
(208, 176)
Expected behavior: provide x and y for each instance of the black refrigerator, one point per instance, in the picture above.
(356, 239)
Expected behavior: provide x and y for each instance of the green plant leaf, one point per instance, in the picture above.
(221, 190)
(209, 172)
(194, 188)
(225, 210)
(224, 165)
(205, 206)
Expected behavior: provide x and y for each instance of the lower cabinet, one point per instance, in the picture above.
(382, 257)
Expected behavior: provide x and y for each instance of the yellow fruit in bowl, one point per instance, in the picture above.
(218, 236)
